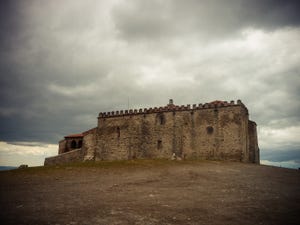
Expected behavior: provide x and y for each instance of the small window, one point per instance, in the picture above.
(209, 130)
(118, 132)
(161, 119)
(159, 144)
(73, 144)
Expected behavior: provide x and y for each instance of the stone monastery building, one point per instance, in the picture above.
(218, 130)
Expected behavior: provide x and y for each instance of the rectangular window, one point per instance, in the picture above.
(159, 144)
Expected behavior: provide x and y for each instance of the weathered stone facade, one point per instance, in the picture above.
(218, 130)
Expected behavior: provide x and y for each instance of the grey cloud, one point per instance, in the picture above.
(143, 19)
(206, 20)
(280, 101)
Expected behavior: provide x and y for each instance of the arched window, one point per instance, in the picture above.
(79, 143)
(73, 144)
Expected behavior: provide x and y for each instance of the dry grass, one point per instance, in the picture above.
(151, 192)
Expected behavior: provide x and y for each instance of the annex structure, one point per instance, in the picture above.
(218, 130)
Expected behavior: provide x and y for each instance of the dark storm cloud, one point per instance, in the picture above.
(37, 54)
(204, 19)
(10, 24)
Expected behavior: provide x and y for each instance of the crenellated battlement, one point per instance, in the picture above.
(171, 108)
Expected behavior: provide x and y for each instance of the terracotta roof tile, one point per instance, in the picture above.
(74, 136)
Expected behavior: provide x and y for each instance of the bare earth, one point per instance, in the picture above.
(151, 192)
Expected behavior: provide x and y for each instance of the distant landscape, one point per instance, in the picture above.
(7, 168)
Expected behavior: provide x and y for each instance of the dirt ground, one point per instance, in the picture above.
(151, 192)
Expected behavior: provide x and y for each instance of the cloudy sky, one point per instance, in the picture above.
(64, 61)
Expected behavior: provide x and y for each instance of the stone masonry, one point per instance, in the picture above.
(217, 130)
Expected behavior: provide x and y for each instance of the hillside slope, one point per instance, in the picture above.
(151, 192)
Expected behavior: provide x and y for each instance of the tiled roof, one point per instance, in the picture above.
(74, 136)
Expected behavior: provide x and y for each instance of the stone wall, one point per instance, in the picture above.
(205, 133)
(64, 158)
(253, 147)
(62, 146)
(89, 144)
